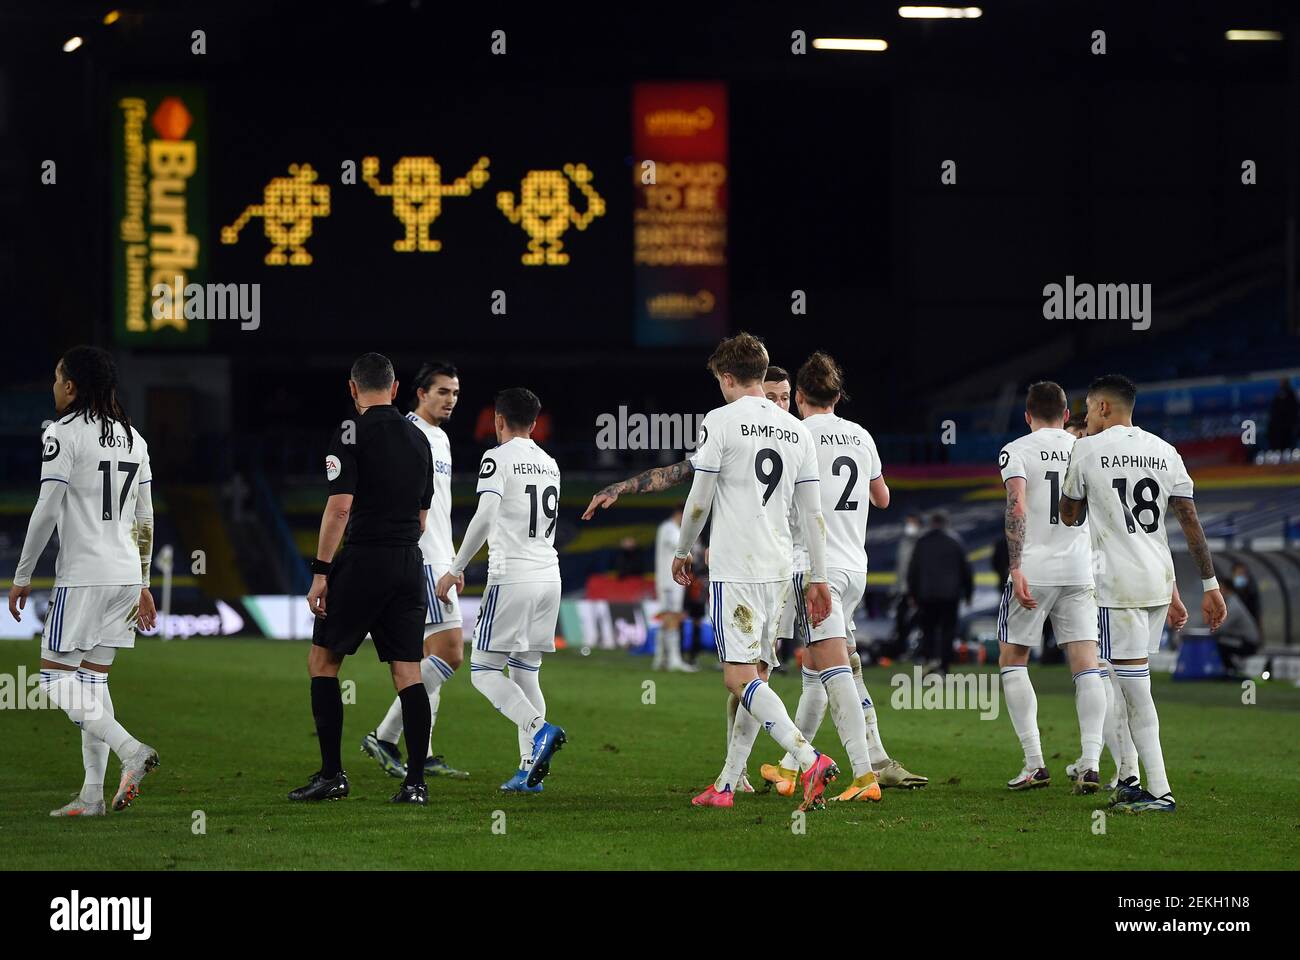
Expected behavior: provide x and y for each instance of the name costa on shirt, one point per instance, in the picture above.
(1127, 460)
(113, 442)
(768, 432)
(534, 468)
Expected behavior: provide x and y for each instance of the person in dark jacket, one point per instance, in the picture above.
(939, 577)
(1244, 584)
(1283, 415)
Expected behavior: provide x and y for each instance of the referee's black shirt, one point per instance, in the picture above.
(388, 469)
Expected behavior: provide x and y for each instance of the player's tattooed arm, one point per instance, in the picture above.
(1014, 521)
(1014, 526)
(1185, 509)
(649, 481)
(1214, 608)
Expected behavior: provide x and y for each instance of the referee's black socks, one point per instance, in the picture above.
(327, 708)
(417, 720)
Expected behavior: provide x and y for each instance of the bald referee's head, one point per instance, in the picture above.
(372, 381)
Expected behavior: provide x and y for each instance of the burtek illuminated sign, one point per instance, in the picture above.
(543, 207)
(159, 210)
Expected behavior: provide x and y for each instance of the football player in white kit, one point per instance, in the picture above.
(755, 459)
(813, 698)
(1051, 576)
(1127, 480)
(437, 390)
(671, 596)
(519, 503)
(95, 488)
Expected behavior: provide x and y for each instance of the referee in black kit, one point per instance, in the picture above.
(380, 473)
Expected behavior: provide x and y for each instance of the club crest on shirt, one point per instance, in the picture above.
(488, 467)
(332, 468)
(50, 449)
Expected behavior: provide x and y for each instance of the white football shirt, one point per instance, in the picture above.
(97, 544)
(521, 544)
(759, 453)
(1128, 476)
(1054, 555)
(435, 542)
(847, 461)
(665, 548)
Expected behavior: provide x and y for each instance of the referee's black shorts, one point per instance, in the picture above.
(378, 590)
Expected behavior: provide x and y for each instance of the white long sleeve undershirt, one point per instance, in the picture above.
(45, 515)
(695, 514)
(476, 534)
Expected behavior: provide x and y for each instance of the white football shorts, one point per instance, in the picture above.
(1073, 610)
(745, 619)
(518, 617)
(82, 618)
(440, 616)
(1130, 633)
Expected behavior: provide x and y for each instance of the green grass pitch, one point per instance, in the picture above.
(232, 722)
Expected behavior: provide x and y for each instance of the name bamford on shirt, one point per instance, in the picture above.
(1133, 460)
(545, 468)
(767, 431)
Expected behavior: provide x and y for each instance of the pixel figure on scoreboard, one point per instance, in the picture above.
(288, 206)
(545, 212)
(417, 191)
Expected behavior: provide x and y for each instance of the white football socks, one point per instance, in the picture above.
(846, 713)
(1144, 724)
(1022, 704)
(434, 672)
(743, 733)
(809, 712)
(767, 708)
(1090, 703)
(94, 751)
(1118, 736)
(84, 708)
(525, 671)
(877, 747)
(485, 672)
(668, 647)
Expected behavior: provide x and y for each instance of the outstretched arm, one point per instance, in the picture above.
(1213, 607)
(650, 481)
